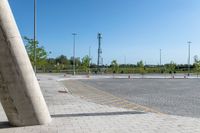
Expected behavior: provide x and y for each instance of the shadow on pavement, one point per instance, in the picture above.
(4, 125)
(98, 114)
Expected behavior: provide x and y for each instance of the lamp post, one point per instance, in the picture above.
(125, 60)
(160, 60)
(189, 42)
(160, 57)
(34, 34)
(74, 62)
(89, 58)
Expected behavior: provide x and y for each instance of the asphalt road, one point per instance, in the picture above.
(170, 96)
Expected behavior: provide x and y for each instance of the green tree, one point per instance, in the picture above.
(51, 64)
(197, 64)
(141, 67)
(140, 64)
(86, 63)
(62, 62)
(171, 67)
(114, 66)
(77, 61)
(41, 54)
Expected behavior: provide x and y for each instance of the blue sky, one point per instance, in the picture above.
(135, 29)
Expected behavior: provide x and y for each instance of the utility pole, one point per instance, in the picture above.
(90, 53)
(74, 61)
(189, 42)
(99, 49)
(89, 57)
(125, 60)
(160, 57)
(34, 38)
(160, 60)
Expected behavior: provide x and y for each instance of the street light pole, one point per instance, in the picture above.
(89, 58)
(125, 60)
(189, 42)
(34, 38)
(74, 62)
(160, 57)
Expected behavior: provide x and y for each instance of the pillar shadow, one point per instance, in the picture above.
(4, 124)
(98, 114)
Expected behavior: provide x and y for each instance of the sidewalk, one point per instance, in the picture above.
(71, 114)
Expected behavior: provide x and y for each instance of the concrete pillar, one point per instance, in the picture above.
(20, 92)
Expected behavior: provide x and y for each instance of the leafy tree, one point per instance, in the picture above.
(141, 67)
(140, 64)
(114, 66)
(171, 67)
(41, 54)
(51, 64)
(77, 61)
(62, 61)
(86, 63)
(197, 64)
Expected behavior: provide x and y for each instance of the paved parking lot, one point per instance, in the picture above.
(73, 113)
(171, 96)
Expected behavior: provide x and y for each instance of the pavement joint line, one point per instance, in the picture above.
(110, 101)
(118, 102)
(134, 104)
(97, 98)
(100, 99)
(104, 100)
